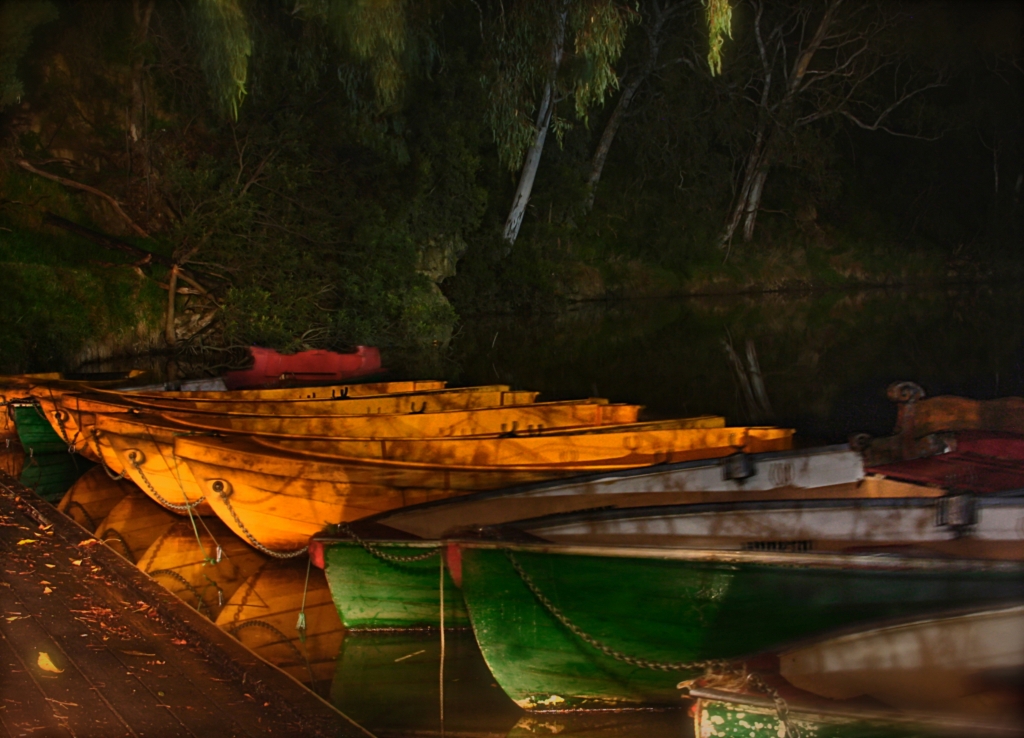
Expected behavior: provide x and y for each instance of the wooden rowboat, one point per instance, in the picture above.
(75, 415)
(949, 673)
(264, 615)
(92, 497)
(382, 575)
(277, 497)
(202, 564)
(558, 619)
(297, 393)
(143, 446)
(133, 525)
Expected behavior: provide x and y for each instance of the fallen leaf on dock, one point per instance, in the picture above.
(179, 642)
(137, 653)
(46, 664)
(46, 590)
(77, 562)
(50, 566)
(24, 541)
(89, 542)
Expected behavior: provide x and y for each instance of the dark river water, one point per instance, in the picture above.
(824, 360)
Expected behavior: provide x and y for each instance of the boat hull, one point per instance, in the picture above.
(679, 611)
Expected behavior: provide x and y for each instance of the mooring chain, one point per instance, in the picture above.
(200, 606)
(383, 555)
(706, 665)
(110, 534)
(218, 487)
(133, 460)
(236, 629)
(88, 518)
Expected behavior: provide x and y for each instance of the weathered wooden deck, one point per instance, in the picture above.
(90, 646)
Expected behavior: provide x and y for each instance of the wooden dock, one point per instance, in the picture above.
(91, 646)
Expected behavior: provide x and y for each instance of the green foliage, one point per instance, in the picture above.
(719, 16)
(18, 21)
(524, 60)
(225, 49)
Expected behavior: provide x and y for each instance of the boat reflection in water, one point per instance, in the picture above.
(390, 683)
(264, 614)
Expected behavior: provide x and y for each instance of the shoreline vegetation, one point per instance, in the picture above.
(198, 178)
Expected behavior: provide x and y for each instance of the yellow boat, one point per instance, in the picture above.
(301, 393)
(276, 497)
(143, 444)
(12, 459)
(264, 612)
(203, 565)
(92, 497)
(74, 415)
(462, 398)
(133, 524)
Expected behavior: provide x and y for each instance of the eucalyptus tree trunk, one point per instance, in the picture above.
(660, 14)
(532, 159)
(608, 135)
(773, 118)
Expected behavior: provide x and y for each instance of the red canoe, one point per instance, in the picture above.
(271, 369)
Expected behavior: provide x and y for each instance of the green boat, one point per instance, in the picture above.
(36, 434)
(51, 475)
(612, 609)
(384, 570)
(955, 673)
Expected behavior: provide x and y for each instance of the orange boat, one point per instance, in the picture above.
(133, 524)
(203, 565)
(276, 496)
(74, 414)
(264, 614)
(142, 445)
(92, 497)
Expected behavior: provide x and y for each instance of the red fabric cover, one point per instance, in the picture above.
(271, 368)
(981, 463)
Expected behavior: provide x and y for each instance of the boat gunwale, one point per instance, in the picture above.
(887, 561)
(538, 488)
(331, 460)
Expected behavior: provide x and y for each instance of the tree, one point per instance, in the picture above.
(547, 51)
(836, 60)
(657, 24)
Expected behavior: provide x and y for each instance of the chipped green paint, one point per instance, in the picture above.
(374, 594)
(673, 611)
(713, 719)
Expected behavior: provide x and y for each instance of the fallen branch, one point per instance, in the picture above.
(106, 241)
(85, 188)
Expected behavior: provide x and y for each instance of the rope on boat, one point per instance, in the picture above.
(133, 460)
(709, 666)
(218, 487)
(383, 555)
(300, 623)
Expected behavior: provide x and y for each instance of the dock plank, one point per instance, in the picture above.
(23, 709)
(86, 645)
(135, 660)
